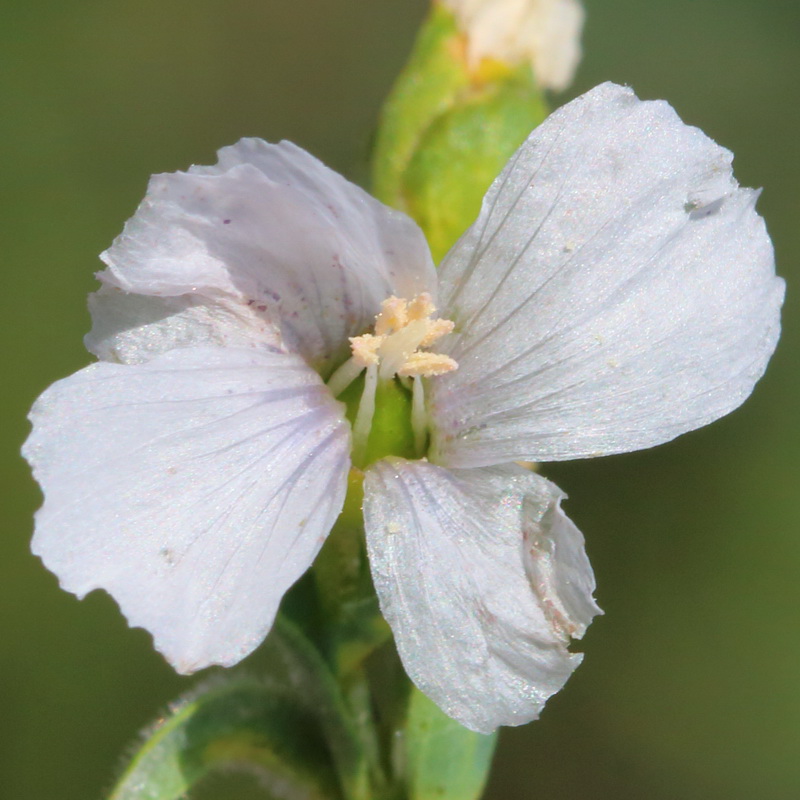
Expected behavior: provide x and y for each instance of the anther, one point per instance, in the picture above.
(401, 328)
(397, 348)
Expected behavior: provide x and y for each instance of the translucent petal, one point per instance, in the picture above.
(195, 488)
(133, 328)
(617, 290)
(483, 580)
(273, 227)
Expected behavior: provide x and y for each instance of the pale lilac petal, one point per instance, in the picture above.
(195, 488)
(617, 290)
(557, 565)
(133, 328)
(483, 580)
(272, 227)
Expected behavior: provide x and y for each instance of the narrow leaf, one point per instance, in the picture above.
(292, 727)
(232, 722)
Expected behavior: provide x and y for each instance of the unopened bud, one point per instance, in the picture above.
(545, 33)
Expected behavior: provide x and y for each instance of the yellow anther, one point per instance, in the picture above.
(365, 349)
(401, 328)
(393, 316)
(427, 365)
(421, 307)
(436, 329)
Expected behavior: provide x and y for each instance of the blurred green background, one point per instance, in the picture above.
(691, 683)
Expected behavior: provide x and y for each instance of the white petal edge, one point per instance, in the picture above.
(483, 580)
(194, 488)
(617, 290)
(133, 328)
(271, 226)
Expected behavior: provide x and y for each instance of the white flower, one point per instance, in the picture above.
(547, 33)
(617, 289)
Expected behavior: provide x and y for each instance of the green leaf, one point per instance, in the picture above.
(292, 727)
(444, 760)
(236, 722)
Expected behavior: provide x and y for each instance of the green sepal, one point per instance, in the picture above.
(433, 78)
(443, 759)
(292, 726)
(463, 151)
(447, 130)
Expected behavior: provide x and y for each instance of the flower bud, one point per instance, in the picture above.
(545, 33)
(470, 94)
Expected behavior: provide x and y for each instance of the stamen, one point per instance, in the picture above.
(393, 316)
(366, 411)
(436, 329)
(427, 365)
(399, 346)
(421, 307)
(365, 348)
(419, 417)
(402, 328)
(344, 376)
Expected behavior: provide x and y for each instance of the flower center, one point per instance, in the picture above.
(404, 329)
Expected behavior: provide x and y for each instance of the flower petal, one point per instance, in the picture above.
(617, 290)
(482, 579)
(272, 227)
(133, 328)
(195, 488)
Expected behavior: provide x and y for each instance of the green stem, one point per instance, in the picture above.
(358, 696)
